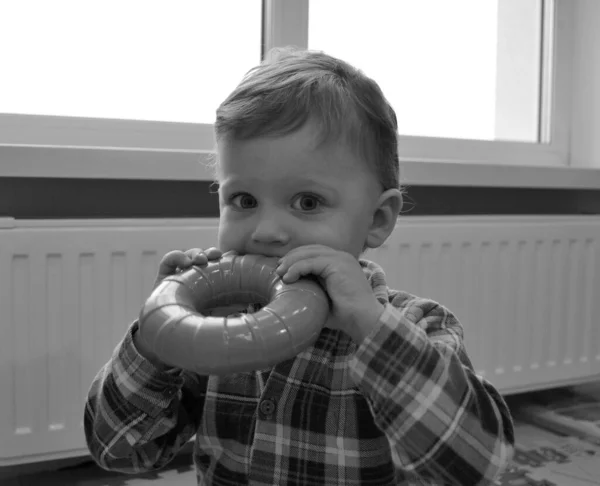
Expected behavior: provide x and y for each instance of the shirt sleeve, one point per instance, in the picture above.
(444, 423)
(136, 416)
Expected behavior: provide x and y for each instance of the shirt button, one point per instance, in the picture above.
(267, 407)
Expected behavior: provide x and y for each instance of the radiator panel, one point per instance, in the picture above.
(68, 294)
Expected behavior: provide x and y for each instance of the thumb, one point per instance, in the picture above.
(170, 263)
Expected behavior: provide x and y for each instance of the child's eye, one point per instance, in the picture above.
(243, 201)
(308, 202)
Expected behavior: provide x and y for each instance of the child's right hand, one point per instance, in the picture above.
(173, 262)
(176, 261)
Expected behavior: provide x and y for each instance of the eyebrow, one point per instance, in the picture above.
(299, 182)
(295, 182)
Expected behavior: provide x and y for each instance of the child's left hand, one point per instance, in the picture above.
(355, 309)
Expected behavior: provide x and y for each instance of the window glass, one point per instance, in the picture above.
(156, 60)
(455, 69)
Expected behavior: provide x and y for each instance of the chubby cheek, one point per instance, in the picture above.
(233, 235)
(340, 235)
(353, 237)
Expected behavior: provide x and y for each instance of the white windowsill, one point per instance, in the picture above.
(90, 163)
(472, 174)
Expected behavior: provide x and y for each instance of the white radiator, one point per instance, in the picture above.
(524, 288)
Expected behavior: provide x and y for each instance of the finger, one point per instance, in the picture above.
(173, 260)
(213, 253)
(303, 253)
(196, 256)
(311, 266)
(290, 260)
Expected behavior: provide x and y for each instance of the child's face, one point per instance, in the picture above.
(278, 193)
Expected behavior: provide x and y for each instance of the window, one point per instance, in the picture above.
(456, 69)
(125, 59)
(472, 81)
(96, 69)
(129, 88)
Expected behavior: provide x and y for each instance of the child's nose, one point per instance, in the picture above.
(269, 231)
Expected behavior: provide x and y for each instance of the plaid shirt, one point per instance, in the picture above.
(404, 407)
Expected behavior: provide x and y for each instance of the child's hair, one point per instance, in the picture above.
(292, 87)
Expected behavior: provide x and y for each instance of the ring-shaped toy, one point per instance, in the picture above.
(174, 327)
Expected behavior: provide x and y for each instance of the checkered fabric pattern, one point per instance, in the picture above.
(403, 407)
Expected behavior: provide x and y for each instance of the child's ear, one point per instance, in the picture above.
(384, 217)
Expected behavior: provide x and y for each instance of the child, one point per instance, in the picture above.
(308, 172)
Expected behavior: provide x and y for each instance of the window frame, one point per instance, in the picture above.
(553, 152)
(47, 146)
